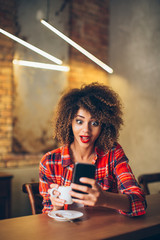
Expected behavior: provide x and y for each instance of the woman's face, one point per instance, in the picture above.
(85, 128)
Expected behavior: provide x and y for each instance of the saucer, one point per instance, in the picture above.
(68, 214)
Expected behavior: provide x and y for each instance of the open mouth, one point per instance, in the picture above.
(85, 139)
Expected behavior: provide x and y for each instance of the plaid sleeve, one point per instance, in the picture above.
(45, 180)
(127, 184)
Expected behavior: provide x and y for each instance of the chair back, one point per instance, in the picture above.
(32, 189)
(145, 179)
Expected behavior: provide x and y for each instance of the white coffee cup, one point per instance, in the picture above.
(64, 193)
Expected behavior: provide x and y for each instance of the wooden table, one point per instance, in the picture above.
(5, 195)
(97, 223)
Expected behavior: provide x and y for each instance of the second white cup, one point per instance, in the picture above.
(64, 193)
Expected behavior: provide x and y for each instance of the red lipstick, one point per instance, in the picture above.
(85, 139)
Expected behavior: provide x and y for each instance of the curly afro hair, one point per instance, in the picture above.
(101, 102)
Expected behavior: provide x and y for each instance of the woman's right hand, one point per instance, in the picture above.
(56, 201)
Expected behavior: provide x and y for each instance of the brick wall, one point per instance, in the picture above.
(89, 24)
(8, 23)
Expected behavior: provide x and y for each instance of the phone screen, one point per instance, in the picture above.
(83, 170)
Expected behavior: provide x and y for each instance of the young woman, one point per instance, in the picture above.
(87, 125)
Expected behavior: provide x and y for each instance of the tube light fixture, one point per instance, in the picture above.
(33, 48)
(78, 47)
(41, 65)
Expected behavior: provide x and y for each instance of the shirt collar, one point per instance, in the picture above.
(99, 152)
(66, 158)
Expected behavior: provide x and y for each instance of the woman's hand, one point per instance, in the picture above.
(56, 201)
(94, 197)
(97, 197)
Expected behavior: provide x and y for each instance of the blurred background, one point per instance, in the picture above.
(123, 34)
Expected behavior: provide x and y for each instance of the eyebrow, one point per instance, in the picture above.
(80, 116)
(84, 117)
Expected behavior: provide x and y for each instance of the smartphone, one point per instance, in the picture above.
(83, 170)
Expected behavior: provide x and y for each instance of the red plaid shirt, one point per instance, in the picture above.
(113, 174)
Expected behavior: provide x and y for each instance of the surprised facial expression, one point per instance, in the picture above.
(85, 128)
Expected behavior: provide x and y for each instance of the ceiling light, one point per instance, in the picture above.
(28, 45)
(41, 65)
(78, 47)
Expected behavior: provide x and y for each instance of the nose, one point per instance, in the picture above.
(86, 127)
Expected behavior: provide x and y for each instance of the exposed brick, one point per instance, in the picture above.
(88, 26)
(5, 121)
(90, 30)
(8, 22)
(19, 160)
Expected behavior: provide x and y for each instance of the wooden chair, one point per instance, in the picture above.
(146, 179)
(32, 189)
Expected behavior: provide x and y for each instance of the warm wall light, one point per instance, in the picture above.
(79, 48)
(41, 65)
(33, 48)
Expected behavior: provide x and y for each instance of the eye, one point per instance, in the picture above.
(78, 121)
(95, 123)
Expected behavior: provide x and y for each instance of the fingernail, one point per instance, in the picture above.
(81, 179)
